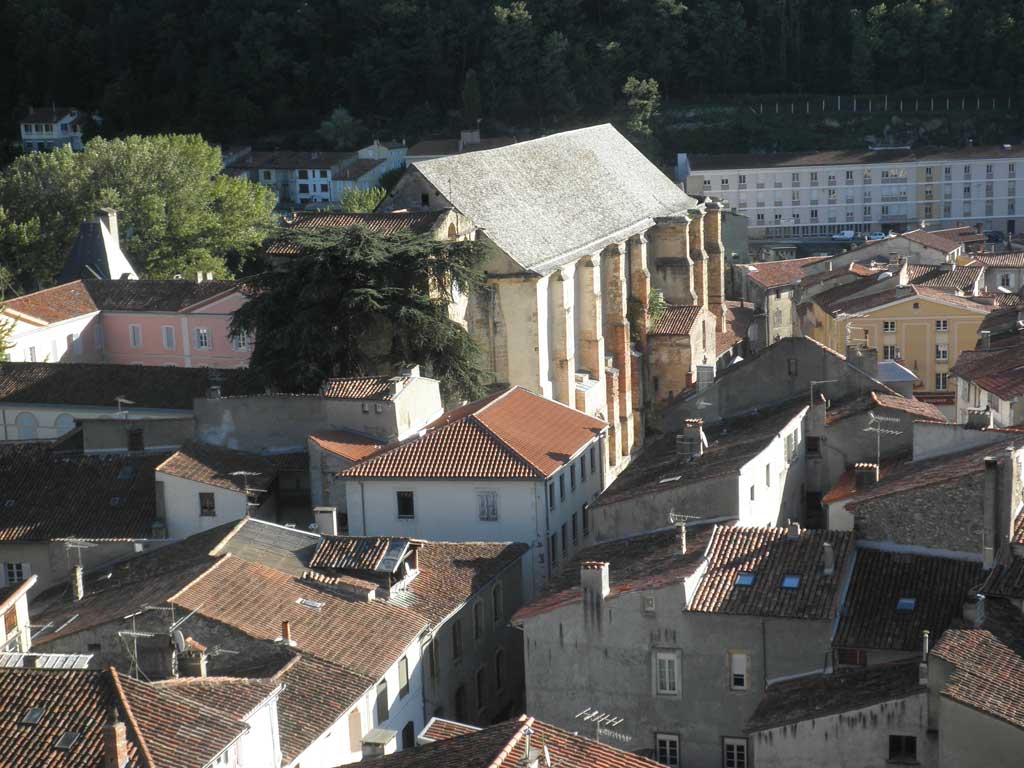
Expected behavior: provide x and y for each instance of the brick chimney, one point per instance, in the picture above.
(286, 633)
(115, 741)
(865, 474)
(691, 442)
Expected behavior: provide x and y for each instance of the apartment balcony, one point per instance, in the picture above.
(741, 186)
(894, 197)
(892, 217)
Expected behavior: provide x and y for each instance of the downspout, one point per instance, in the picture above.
(764, 655)
(362, 505)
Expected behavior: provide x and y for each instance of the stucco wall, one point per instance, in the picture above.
(47, 416)
(970, 739)
(50, 342)
(181, 502)
(52, 561)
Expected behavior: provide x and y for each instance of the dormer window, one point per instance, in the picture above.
(906, 604)
(790, 581)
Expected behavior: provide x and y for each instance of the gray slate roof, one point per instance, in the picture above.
(548, 201)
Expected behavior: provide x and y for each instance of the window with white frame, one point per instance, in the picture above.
(202, 338)
(941, 381)
(168, 336)
(1004, 279)
(667, 748)
(738, 663)
(890, 352)
(734, 753)
(666, 669)
(888, 326)
(942, 325)
(15, 573)
(942, 352)
(487, 503)
(134, 335)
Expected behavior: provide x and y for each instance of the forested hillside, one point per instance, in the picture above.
(240, 70)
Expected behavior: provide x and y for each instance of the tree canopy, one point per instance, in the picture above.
(177, 213)
(357, 303)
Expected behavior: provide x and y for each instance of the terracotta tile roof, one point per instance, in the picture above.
(100, 384)
(770, 554)
(816, 696)
(256, 599)
(922, 411)
(932, 240)
(233, 697)
(903, 293)
(363, 387)
(45, 496)
(438, 728)
(731, 444)
(514, 434)
(1006, 579)
(48, 114)
(357, 169)
(738, 317)
(966, 234)
(960, 278)
(290, 160)
(912, 475)
(1006, 384)
(52, 305)
(676, 321)
(864, 270)
(988, 662)
(774, 274)
(939, 585)
(636, 563)
(972, 364)
(417, 222)
(179, 732)
(846, 485)
(440, 147)
(352, 553)
(1013, 260)
(348, 445)
(212, 465)
(155, 295)
(847, 291)
(503, 746)
(72, 701)
(945, 297)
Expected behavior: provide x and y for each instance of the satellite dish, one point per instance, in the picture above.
(179, 641)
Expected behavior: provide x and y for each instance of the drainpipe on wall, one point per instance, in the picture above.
(362, 504)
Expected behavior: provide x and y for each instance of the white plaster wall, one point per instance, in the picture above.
(47, 415)
(51, 341)
(777, 480)
(181, 501)
(260, 747)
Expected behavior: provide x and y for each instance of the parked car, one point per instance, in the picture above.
(994, 236)
(845, 235)
(871, 237)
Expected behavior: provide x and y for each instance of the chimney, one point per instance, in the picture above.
(469, 138)
(326, 520)
(286, 633)
(77, 583)
(692, 441)
(990, 501)
(115, 742)
(865, 474)
(792, 530)
(378, 742)
(594, 580)
(412, 371)
(922, 668)
(863, 359)
(213, 392)
(108, 217)
(986, 339)
(192, 663)
(979, 418)
(682, 538)
(828, 559)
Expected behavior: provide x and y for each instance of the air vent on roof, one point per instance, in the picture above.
(67, 741)
(310, 603)
(115, 500)
(33, 716)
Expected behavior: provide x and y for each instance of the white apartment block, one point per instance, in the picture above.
(822, 193)
(51, 127)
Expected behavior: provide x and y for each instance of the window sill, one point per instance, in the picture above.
(903, 761)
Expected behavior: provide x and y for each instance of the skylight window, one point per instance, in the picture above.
(67, 741)
(33, 716)
(906, 604)
(9, 503)
(744, 580)
(310, 603)
(790, 581)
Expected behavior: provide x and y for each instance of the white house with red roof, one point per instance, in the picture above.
(513, 466)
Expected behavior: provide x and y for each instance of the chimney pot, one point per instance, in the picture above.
(692, 441)
(286, 632)
(77, 582)
(865, 474)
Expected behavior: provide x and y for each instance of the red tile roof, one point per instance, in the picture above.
(514, 434)
(1013, 260)
(648, 561)
(959, 278)
(289, 160)
(357, 169)
(504, 745)
(348, 445)
(770, 554)
(903, 293)
(932, 240)
(738, 317)
(155, 295)
(921, 410)
(352, 553)
(940, 586)
(212, 465)
(815, 696)
(52, 305)
(417, 222)
(438, 728)
(774, 274)
(235, 697)
(363, 387)
(676, 321)
(48, 114)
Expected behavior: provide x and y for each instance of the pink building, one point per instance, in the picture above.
(143, 322)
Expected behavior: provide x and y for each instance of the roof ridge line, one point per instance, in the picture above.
(130, 717)
(506, 751)
(200, 577)
(503, 444)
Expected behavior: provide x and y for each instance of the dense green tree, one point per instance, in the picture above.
(341, 130)
(358, 303)
(177, 212)
(362, 200)
(643, 98)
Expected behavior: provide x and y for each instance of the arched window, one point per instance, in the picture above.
(28, 426)
(452, 231)
(64, 424)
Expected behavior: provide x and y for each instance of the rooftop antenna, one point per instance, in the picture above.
(122, 413)
(245, 475)
(875, 424)
(603, 723)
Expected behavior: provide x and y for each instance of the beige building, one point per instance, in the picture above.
(582, 226)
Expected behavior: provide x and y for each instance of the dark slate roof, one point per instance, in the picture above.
(44, 496)
(277, 546)
(155, 295)
(771, 554)
(814, 696)
(99, 384)
(1006, 579)
(940, 586)
(89, 257)
(543, 202)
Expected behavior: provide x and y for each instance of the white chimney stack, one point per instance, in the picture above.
(77, 582)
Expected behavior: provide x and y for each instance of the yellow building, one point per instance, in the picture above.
(923, 328)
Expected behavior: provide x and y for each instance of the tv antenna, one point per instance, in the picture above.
(877, 424)
(121, 400)
(245, 475)
(603, 723)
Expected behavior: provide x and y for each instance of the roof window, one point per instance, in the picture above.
(744, 579)
(33, 716)
(67, 741)
(790, 581)
(9, 503)
(906, 604)
(310, 603)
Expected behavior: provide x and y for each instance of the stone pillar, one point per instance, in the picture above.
(525, 301)
(614, 444)
(716, 261)
(669, 243)
(640, 282)
(616, 332)
(637, 391)
(562, 290)
(591, 342)
(698, 256)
